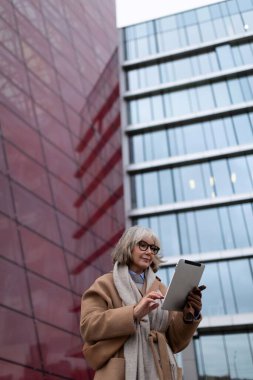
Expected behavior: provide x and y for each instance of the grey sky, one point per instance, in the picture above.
(134, 11)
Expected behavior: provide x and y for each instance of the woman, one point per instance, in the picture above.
(126, 333)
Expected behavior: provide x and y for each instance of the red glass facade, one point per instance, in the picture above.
(61, 207)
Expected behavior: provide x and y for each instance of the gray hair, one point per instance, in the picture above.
(122, 253)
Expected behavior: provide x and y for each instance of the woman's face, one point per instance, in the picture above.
(142, 259)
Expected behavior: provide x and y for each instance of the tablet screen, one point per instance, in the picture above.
(187, 275)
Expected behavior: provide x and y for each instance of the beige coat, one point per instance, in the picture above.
(106, 325)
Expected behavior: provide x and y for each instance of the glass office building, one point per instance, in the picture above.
(187, 111)
(59, 106)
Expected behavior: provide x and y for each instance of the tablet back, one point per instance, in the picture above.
(187, 275)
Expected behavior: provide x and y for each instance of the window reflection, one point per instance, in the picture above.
(226, 356)
(203, 230)
(201, 25)
(220, 58)
(182, 102)
(206, 180)
(193, 138)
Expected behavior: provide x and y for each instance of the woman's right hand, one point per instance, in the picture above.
(147, 304)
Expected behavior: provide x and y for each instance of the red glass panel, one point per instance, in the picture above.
(39, 66)
(10, 39)
(53, 304)
(40, 254)
(11, 371)
(67, 227)
(30, 11)
(7, 12)
(72, 96)
(13, 287)
(74, 120)
(13, 69)
(81, 281)
(6, 204)
(34, 37)
(47, 99)
(66, 68)
(54, 131)
(9, 241)
(16, 131)
(58, 40)
(59, 352)
(61, 165)
(28, 173)
(35, 214)
(64, 197)
(18, 338)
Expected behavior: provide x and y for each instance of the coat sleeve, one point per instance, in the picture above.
(100, 320)
(179, 334)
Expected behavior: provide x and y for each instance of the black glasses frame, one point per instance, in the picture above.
(143, 245)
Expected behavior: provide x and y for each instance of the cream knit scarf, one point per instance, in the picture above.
(140, 364)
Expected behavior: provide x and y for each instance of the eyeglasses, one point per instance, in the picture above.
(143, 245)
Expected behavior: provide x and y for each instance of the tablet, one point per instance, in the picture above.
(187, 275)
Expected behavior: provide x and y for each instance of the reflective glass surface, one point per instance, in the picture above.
(220, 58)
(203, 230)
(49, 111)
(192, 27)
(193, 138)
(181, 102)
(230, 352)
(216, 178)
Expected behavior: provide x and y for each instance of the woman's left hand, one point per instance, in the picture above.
(193, 305)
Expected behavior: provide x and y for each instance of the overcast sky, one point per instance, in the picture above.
(134, 11)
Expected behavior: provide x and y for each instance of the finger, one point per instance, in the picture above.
(154, 306)
(195, 294)
(194, 297)
(155, 295)
(195, 302)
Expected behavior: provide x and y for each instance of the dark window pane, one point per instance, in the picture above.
(226, 288)
(132, 77)
(148, 146)
(243, 129)
(221, 94)
(214, 352)
(166, 187)
(150, 188)
(226, 228)
(235, 91)
(193, 232)
(213, 303)
(192, 182)
(209, 232)
(225, 57)
(222, 181)
(239, 227)
(194, 138)
(207, 31)
(193, 34)
(160, 145)
(205, 98)
(240, 175)
(137, 148)
(219, 134)
(157, 107)
(239, 356)
(242, 288)
(152, 74)
(169, 235)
